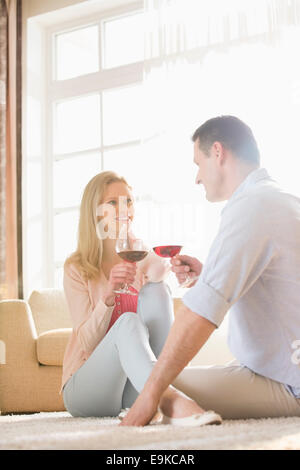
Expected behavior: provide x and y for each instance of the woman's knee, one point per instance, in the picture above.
(155, 288)
(155, 297)
(130, 332)
(130, 321)
(156, 309)
(127, 318)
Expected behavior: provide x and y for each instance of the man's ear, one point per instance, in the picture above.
(219, 152)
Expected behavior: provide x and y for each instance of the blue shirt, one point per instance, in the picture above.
(253, 271)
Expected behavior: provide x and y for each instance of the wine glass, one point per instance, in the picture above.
(131, 250)
(169, 251)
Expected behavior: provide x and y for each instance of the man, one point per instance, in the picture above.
(253, 270)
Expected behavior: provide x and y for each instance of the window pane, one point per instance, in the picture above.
(77, 53)
(65, 234)
(128, 162)
(77, 124)
(123, 41)
(70, 177)
(122, 109)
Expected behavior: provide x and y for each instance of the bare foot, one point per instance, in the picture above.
(176, 404)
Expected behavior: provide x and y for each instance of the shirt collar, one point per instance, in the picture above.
(250, 180)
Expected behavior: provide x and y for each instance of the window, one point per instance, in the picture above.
(85, 114)
(84, 120)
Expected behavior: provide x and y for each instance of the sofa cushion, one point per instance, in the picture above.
(51, 346)
(49, 310)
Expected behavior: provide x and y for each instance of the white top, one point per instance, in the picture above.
(253, 270)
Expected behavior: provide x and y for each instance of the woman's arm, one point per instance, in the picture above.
(90, 325)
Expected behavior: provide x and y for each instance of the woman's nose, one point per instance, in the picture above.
(124, 211)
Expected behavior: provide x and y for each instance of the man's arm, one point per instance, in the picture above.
(188, 334)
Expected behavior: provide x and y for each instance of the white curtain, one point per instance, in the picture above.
(205, 58)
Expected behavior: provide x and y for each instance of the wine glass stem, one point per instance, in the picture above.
(188, 280)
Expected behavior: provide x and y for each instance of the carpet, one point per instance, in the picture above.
(59, 430)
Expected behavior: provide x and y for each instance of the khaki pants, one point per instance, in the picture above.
(235, 392)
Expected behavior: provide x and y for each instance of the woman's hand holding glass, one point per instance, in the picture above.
(186, 268)
(120, 274)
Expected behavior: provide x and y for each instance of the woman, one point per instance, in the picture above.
(116, 338)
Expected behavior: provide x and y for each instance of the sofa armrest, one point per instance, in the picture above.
(25, 385)
(17, 333)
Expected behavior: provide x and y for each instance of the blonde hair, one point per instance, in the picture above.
(88, 255)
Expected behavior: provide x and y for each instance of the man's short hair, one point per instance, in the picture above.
(232, 133)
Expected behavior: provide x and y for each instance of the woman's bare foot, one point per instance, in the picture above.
(176, 404)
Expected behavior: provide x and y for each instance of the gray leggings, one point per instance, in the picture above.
(118, 368)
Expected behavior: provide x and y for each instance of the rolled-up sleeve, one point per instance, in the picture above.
(207, 302)
(242, 250)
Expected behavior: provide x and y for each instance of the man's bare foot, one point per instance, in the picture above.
(176, 404)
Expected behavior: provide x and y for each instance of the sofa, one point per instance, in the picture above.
(33, 338)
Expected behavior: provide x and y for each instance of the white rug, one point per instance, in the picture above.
(51, 431)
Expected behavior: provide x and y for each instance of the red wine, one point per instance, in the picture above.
(133, 255)
(167, 251)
